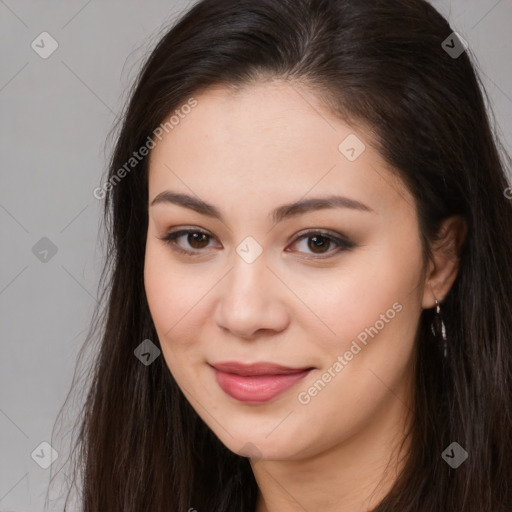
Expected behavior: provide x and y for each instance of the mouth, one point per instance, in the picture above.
(256, 383)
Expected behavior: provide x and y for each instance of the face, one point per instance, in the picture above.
(330, 291)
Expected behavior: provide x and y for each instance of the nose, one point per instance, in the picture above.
(251, 301)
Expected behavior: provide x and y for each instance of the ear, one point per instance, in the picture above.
(443, 267)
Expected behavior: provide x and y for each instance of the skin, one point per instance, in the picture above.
(248, 152)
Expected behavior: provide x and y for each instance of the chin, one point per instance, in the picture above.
(259, 446)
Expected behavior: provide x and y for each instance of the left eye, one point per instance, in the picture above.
(317, 242)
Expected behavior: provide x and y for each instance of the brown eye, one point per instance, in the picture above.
(193, 240)
(319, 243)
(197, 240)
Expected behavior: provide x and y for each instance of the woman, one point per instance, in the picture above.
(310, 285)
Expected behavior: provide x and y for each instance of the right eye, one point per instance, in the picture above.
(196, 240)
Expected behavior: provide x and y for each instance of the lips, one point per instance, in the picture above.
(256, 369)
(258, 382)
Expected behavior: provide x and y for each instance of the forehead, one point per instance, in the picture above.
(265, 139)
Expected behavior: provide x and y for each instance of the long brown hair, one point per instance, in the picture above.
(140, 445)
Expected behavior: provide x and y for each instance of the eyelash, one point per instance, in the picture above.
(342, 243)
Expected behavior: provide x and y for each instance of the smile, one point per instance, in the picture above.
(256, 384)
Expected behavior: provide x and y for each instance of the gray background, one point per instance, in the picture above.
(56, 114)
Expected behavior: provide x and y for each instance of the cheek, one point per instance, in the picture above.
(374, 312)
(369, 293)
(168, 303)
(179, 305)
(170, 294)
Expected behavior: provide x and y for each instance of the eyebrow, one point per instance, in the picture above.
(279, 214)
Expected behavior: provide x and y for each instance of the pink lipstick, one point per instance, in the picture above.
(256, 383)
